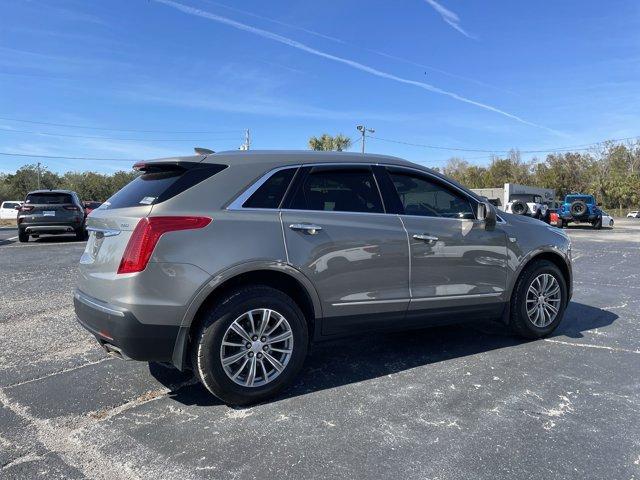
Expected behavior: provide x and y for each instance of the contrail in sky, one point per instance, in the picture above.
(448, 16)
(345, 61)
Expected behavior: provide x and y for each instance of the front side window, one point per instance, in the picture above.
(427, 198)
(271, 192)
(338, 190)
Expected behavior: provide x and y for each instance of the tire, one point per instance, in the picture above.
(23, 236)
(81, 234)
(520, 322)
(206, 344)
(611, 223)
(578, 208)
(598, 223)
(518, 207)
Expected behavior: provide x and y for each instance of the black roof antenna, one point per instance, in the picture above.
(203, 151)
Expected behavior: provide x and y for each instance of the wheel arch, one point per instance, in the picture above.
(552, 256)
(277, 275)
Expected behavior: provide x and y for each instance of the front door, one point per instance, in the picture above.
(456, 264)
(337, 234)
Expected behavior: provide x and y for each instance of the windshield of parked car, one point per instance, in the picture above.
(48, 198)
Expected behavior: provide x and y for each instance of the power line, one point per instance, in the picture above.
(10, 130)
(114, 129)
(9, 154)
(586, 146)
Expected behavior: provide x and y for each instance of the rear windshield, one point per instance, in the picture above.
(51, 198)
(161, 183)
(583, 198)
(92, 205)
(9, 204)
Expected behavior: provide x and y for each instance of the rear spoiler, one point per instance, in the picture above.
(163, 166)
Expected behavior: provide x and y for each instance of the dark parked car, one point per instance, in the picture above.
(51, 212)
(233, 263)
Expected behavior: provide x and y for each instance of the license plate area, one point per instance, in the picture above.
(49, 213)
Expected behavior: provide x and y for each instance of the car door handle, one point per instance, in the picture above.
(425, 238)
(309, 228)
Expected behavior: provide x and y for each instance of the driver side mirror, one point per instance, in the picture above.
(487, 214)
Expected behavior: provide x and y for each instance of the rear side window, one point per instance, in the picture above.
(161, 182)
(48, 198)
(271, 192)
(338, 190)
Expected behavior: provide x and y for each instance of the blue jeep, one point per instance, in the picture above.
(579, 208)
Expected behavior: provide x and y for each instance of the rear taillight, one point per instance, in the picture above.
(26, 208)
(73, 208)
(146, 235)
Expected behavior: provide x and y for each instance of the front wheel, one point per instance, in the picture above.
(539, 300)
(250, 345)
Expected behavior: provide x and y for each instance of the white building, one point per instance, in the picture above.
(500, 196)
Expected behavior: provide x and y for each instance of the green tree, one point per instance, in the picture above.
(328, 143)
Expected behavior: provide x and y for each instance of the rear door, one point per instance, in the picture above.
(337, 233)
(456, 264)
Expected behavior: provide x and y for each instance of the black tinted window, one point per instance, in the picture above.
(270, 193)
(338, 190)
(51, 198)
(160, 183)
(425, 197)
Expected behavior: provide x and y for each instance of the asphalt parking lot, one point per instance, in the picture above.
(449, 403)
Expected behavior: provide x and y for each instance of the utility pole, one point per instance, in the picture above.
(364, 130)
(247, 140)
(38, 175)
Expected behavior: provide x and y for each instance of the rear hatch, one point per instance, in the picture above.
(50, 208)
(112, 224)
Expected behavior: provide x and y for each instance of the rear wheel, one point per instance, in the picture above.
(598, 223)
(250, 345)
(81, 234)
(539, 300)
(23, 236)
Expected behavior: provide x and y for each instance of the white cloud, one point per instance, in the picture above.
(449, 17)
(351, 63)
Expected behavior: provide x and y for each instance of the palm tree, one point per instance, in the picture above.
(328, 143)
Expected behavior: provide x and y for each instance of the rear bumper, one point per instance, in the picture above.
(582, 218)
(57, 228)
(117, 327)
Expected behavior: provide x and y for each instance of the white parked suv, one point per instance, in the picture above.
(633, 214)
(8, 209)
(526, 204)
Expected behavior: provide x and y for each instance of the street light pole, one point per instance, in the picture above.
(363, 130)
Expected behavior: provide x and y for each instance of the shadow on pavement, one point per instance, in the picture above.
(340, 362)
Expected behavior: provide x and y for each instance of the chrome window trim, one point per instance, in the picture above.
(236, 204)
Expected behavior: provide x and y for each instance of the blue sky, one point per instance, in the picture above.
(483, 75)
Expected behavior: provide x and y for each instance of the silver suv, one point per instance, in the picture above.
(232, 263)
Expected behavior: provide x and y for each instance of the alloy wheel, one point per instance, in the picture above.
(544, 299)
(256, 347)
